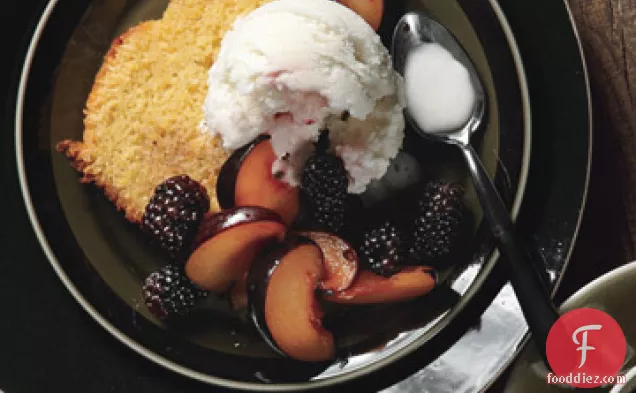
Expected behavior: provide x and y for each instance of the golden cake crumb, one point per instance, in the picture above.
(143, 115)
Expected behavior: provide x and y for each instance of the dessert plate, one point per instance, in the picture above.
(102, 259)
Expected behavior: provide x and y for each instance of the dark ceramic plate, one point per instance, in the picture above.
(102, 260)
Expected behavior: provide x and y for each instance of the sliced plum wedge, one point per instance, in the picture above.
(226, 182)
(246, 179)
(370, 10)
(371, 288)
(340, 260)
(227, 244)
(284, 305)
(238, 294)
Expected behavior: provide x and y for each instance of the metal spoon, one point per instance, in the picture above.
(415, 29)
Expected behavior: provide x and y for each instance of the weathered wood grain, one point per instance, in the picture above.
(608, 33)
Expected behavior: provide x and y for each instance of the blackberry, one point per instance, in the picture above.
(324, 183)
(173, 215)
(383, 250)
(439, 222)
(168, 292)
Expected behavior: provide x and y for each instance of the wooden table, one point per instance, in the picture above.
(608, 235)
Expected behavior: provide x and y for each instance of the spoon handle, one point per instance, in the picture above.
(533, 295)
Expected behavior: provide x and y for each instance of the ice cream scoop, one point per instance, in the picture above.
(293, 68)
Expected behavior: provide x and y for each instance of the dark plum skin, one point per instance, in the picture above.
(228, 243)
(258, 282)
(226, 182)
(226, 219)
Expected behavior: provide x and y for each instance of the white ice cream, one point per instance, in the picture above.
(440, 94)
(294, 67)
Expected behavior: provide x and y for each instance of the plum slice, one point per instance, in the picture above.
(340, 260)
(370, 10)
(283, 302)
(246, 179)
(238, 294)
(256, 185)
(371, 288)
(227, 244)
(226, 182)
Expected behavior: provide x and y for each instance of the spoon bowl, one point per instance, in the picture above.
(415, 29)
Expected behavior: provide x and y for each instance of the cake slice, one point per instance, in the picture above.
(143, 115)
